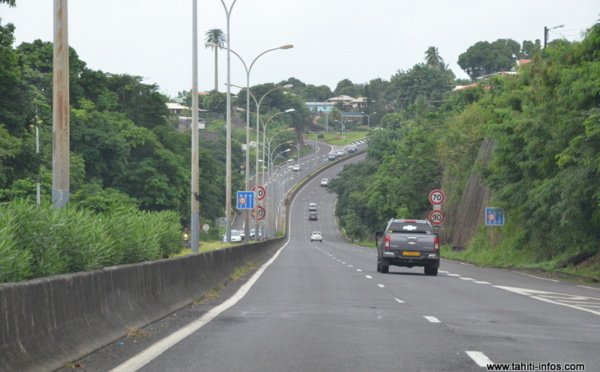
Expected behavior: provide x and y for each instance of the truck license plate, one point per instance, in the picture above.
(406, 253)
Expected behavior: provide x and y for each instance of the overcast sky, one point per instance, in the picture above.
(333, 40)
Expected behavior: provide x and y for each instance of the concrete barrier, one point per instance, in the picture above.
(47, 322)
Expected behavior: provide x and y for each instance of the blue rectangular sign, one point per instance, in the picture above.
(494, 217)
(245, 200)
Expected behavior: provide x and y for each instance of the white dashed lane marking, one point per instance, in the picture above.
(480, 358)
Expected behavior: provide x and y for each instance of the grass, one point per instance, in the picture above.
(349, 137)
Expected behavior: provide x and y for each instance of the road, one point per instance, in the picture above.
(323, 307)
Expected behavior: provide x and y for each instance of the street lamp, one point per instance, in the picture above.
(265, 139)
(228, 139)
(195, 171)
(343, 124)
(248, 70)
(316, 136)
(546, 29)
(368, 119)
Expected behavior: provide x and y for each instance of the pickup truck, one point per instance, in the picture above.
(408, 243)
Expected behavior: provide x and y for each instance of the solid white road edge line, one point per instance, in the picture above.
(163, 345)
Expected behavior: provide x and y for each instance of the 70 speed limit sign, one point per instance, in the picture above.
(436, 217)
(436, 197)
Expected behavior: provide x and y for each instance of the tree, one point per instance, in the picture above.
(487, 58)
(346, 88)
(433, 59)
(217, 37)
(215, 102)
(432, 84)
(313, 93)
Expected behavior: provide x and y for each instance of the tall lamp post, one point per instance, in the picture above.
(546, 29)
(368, 119)
(343, 124)
(264, 138)
(248, 70)
(228, 125)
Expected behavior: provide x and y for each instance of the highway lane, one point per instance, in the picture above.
(323, 307)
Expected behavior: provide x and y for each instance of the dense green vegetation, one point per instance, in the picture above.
(38, 241)
(544, 169)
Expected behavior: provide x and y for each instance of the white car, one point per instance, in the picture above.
(296, 168)
(316, 235)
(325, 182)
(236, 237)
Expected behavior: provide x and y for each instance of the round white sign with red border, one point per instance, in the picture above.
(259, 212)
(436, 197)
(436, 217)
(260, 192)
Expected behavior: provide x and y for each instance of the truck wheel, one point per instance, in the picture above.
(385, 269)
(378, 266)
(433, 271)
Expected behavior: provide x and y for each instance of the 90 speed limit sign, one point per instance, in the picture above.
(436, 217)
(259, 213)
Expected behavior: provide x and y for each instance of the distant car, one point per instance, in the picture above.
(253, 234)
(296, 168)
(312, 215)
(236, 237)
(325, 182)
(312, 207)
(332, 156)
(316, 235)
(352, 149)
(340, 153)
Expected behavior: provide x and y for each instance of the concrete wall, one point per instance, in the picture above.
(47, 322)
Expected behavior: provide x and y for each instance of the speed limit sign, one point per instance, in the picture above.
(259, 213)
(436, 217)
(436, 197)
(260, 191)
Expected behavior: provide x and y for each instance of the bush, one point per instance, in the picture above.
(38, 240)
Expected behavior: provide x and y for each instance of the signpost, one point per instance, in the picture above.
(260, 192)
(436, 217)
(437, 197)
(259, 213)
(494, 217)
(245, 200)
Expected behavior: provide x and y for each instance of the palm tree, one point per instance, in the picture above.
(433, 59)
(216, 37)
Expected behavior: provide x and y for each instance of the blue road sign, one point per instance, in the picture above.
(494, 217)
(245, 200)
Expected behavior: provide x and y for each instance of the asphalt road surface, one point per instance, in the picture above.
(324, 307)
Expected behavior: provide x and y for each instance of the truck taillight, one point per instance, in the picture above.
(436, 244)
(386, 242)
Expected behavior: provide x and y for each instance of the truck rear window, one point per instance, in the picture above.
(415, 228)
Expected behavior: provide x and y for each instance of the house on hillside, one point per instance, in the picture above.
(319, 107)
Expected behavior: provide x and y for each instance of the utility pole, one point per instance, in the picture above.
(60, 107)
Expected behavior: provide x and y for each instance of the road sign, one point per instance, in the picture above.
(245, 200)
(436, 217)
(261, 192)
(259, 213)
(436, 197)
(494, 217)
